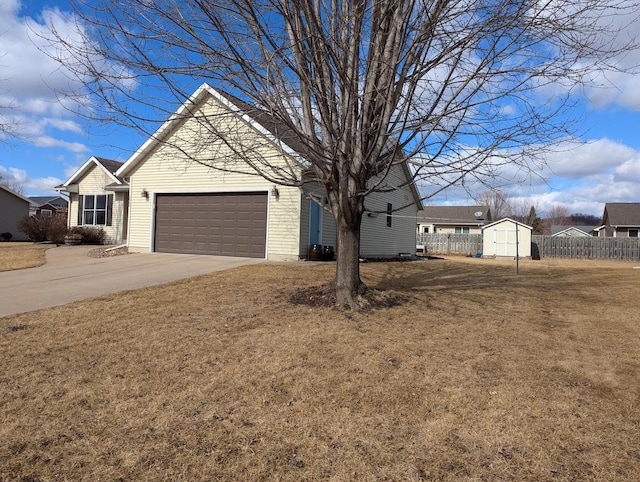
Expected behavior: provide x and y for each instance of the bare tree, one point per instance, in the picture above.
(557, 215)
(14, 185)
(497, 201)
(459, 87)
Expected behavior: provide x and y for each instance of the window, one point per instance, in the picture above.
(462, 230)
(95, 209)
(633, 233)
(46, 212)
(425, 230)
(389, 210)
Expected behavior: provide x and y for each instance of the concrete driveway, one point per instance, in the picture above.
(70, 275)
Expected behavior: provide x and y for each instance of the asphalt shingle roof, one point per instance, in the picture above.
(454, 214)
(623, 214)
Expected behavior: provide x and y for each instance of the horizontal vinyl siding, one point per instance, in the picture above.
(167, 170)
(12, 209)
(93, 183)
(376, 239)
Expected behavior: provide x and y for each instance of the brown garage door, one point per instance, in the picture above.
(224, 224)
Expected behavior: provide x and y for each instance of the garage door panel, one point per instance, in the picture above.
(225, 224)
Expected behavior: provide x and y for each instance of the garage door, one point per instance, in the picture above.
(223, 224)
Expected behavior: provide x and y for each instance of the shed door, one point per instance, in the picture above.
(504, 242)
(223, 224)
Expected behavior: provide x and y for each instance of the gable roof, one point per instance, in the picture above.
(276, 131)
(572, 230)
(272, 128)
(11, 191)
(55, 201)
(509, 220)
(107, 165)
(454, 214)
(621, 214)
(560, 228)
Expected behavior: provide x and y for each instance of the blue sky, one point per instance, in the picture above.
(603, 166)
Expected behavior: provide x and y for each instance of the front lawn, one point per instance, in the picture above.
(478, 375)
(21, 255)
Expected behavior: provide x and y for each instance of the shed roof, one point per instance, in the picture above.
(507, 220)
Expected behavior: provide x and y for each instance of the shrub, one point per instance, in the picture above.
(90, 235)
(44, 228)
(6, 236)
(34, 227)
(57, 228)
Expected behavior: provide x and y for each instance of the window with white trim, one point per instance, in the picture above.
(95, 209)
(462, 230)
(633, 233)
(389, 214)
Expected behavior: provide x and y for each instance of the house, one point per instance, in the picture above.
(620, 220)
(453, 219)
(13, 207)
(47, 205)
(163, 199)
(572, 231)
(506, 237)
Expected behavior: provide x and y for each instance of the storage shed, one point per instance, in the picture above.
(506, 238)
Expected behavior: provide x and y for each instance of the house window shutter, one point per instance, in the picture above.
(80, 209)
(109, 208)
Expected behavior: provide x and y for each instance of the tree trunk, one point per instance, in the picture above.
(347, 282)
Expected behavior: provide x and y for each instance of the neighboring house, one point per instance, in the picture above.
(47, 205)
(572, 231)
(452, 219)
(506, 237)
(620, 220)
(162, 200)
(13, 207)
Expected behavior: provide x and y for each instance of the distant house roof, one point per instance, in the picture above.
(559, 228)
(621, 214)
(475, 215)
(55, 201)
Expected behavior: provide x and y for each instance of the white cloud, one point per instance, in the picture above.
(580, 175)
(30, 79)
(46, 141)
(577, 160)
(32, 186)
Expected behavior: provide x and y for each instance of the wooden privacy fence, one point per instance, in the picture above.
(443, 243)
(585, 247)
(541, 246)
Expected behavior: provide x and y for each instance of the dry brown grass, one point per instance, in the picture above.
(21, 255)
(480, 375)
